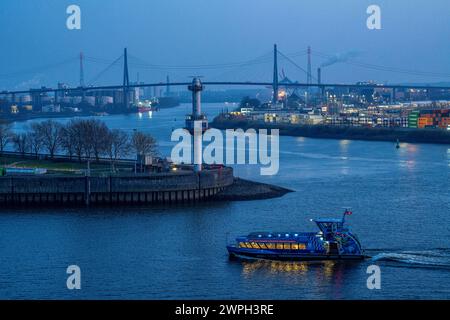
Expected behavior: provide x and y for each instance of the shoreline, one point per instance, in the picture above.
(239, 190)
(58, 115)
(409, 135)
(126, 188)
(248, 190)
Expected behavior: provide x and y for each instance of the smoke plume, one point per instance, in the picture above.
(341, 57)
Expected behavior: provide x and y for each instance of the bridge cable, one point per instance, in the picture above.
(105, 70)
(143, 64)
(383, 68)
(295, 64)
(38, 69)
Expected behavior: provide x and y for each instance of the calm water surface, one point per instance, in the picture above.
(400, 199)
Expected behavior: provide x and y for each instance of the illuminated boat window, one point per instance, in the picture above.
(294, 246)
(301, 246)
(270, 245)
(286, 246)
(248, 245)
(262, 245)
(254, 245)
(242, 245)
(280, 246)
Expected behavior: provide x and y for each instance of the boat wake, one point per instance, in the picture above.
(435, 258)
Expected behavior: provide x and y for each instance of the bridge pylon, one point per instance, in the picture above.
(126, 79)
(275, 75)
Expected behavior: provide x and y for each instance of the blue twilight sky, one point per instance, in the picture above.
(35, 41)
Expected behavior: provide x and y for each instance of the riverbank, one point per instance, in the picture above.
(64, 182)
(340, 132)
(56, 115)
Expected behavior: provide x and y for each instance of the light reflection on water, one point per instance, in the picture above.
(344, 145)
(328, 269)
(274, 267)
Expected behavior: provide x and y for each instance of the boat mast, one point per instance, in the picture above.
(347, 210)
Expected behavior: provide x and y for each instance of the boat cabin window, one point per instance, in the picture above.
(242, 245)
(254, 245)
(271, 245)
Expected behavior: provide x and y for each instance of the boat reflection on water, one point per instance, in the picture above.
(249, 267)
(146, 114)
(316, 275)
(327, 268)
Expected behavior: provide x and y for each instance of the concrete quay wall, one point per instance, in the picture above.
(126, 189)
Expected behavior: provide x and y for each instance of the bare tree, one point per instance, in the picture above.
(96, 137)
(67, 143)
(144, 144)
(21, 143)
(74, 138)
(50, 132)
(87, 135)
(35, 139)
(5, 136)
(85, 138)
(117, 145)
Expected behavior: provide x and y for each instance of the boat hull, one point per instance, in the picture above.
(146, 109)
(241, 253)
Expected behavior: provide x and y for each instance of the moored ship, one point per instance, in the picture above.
(334, 241)
(146, 106)
(167, 102)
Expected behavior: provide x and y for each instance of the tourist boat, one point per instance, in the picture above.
(334, 241)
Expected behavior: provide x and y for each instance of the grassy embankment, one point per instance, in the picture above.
(55, 166)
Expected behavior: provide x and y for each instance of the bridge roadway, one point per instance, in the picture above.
(228, 83)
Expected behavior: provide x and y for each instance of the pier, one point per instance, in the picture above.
(123, 189)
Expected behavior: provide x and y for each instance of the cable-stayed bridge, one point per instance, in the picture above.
(125, 60)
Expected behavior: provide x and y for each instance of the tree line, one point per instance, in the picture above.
(78, 139)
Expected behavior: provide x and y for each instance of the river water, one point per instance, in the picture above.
(401, 206)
